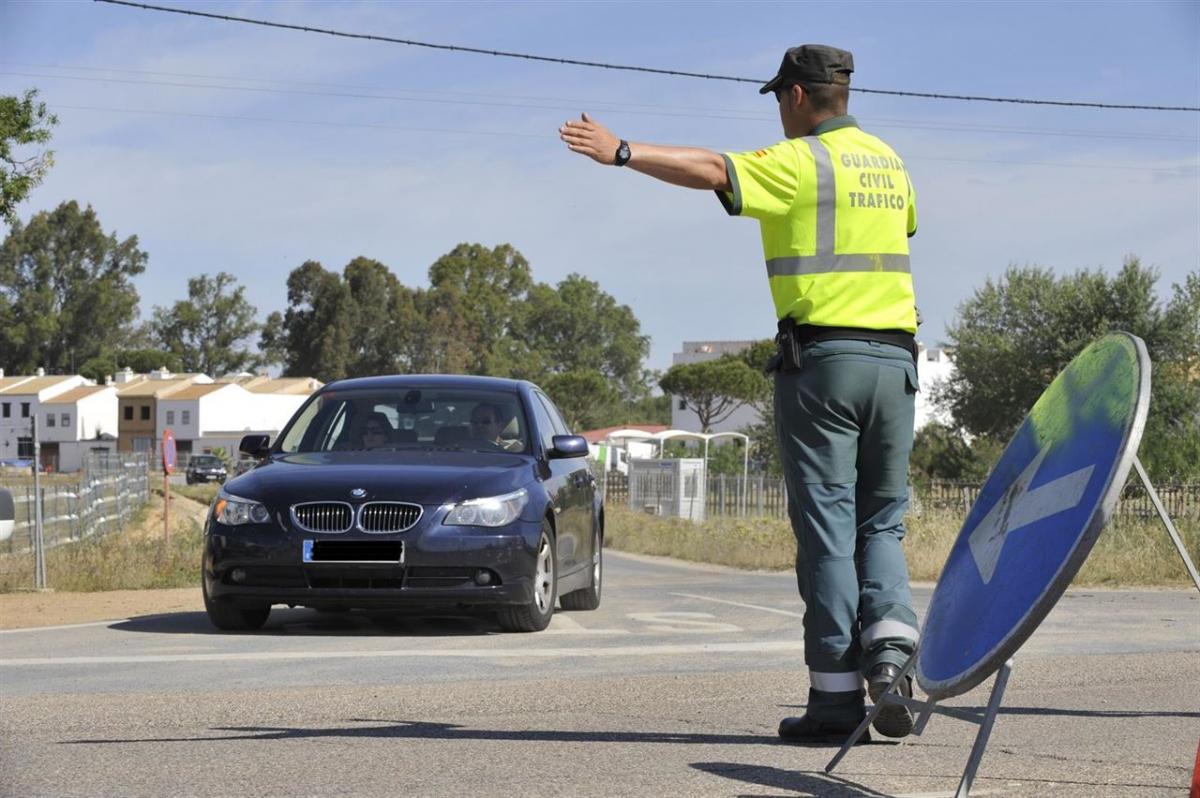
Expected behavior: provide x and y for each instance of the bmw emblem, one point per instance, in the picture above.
(358, 493)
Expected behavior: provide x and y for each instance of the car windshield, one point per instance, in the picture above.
(409, 418)
(206, 461)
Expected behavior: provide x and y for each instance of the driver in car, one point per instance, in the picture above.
(486, 424)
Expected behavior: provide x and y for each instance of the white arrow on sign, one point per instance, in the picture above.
(1020, 507)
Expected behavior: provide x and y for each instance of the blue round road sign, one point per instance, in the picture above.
(1037, 516)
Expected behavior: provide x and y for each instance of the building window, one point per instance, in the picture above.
(186, 417)
(24, 447)
(145, 412)
(65, 421)
(49, 419)
(24, 409)
(170, 416)
(683, 404)
(129, 412)
(7, 409)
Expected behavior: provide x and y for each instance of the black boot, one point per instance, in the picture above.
(893, 720)
(806, 730)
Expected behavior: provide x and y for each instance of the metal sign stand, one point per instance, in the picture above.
(926, 710)
(1166, 519)
(39, 538)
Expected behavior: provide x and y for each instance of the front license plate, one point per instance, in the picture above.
(352, 551)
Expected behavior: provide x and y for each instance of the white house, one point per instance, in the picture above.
(79, 421)
(21, 404)
(203, 417)
(934, 367)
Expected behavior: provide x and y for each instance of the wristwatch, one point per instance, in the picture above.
(623, 155)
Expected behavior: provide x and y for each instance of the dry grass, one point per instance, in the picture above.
(135, 559)
(1131, 553)
(204, 493)
(1127, 554)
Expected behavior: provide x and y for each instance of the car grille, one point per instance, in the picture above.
(323, 516)
(388, 516)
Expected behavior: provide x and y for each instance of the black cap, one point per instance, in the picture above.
(812, 63)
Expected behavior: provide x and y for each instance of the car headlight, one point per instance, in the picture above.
(489, 511)
(234, 510)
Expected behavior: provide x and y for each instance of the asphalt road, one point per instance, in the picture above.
(673, 687)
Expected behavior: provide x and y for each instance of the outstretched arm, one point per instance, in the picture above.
(690, 167)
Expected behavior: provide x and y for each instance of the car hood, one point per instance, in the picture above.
(427, 477)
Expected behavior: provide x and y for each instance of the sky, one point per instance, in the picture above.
(240, 148)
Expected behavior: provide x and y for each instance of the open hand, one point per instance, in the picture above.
(590, 138)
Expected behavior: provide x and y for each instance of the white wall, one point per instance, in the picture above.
(72, 454)
(16, 427)
(97, 411)
(934, 366)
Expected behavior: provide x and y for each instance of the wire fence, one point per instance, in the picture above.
(99, 500)
(760, 495)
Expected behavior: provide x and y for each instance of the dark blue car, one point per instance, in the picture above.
(410, 492)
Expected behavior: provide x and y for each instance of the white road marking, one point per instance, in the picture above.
(65, 626)
(566, 625)
(788, 613)
(471, 653)
(1021, 507)
(682, 622)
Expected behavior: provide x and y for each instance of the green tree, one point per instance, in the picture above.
(358, 323)
(140, 361)
(713, 389)
(586, 398)
(313, 336)
(764, 443)
(475, 297)
(209, 331)
(66, 290)
(23, 121)
(1014, 335)
(941, 452)
(575, 327)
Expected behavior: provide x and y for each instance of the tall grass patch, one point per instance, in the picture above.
(1128, 553)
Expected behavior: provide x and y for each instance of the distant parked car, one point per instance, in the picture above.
(410, 491)
(206, 468)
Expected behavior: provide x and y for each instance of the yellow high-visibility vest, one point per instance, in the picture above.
(836, 211)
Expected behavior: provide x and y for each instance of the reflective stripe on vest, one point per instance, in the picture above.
(825, 260)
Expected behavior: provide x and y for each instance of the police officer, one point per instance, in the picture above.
(835, 208)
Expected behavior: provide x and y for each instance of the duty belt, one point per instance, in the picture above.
(793, 337)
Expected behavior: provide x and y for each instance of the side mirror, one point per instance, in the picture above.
(8, 514)
(255, 445)
(568, 446)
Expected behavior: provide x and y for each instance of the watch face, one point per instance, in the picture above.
(622, 153)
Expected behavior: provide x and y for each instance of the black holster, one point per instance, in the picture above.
(788, 340)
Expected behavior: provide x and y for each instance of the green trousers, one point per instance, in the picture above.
(845, 426)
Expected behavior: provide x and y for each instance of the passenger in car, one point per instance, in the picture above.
(377, 431)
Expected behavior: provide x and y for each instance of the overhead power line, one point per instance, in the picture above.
(626, 67)
(445, 96)
(600, 105)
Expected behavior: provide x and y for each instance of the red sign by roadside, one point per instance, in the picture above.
(168, 451)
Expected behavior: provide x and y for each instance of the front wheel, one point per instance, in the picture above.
(230, 618)
(588, 598)
(534, 616)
